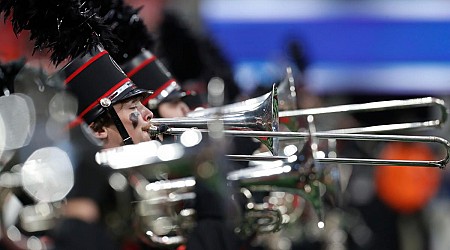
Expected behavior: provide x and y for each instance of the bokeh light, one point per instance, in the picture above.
(47, 175)
(19, 120)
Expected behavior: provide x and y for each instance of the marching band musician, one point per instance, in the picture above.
(109, 106)
(110, 113)
(167, 101)
(134, 56)
(124, 121)
(191, 59)
(115, 108)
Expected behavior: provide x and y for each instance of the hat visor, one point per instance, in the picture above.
(177, 95)
(143, 93)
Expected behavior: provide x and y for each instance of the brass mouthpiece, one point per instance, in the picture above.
(157, 130)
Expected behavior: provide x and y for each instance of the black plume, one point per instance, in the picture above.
(8, 73)
(127, 26)
(67, 28)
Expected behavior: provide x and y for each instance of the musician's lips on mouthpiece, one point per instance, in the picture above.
(147, 127)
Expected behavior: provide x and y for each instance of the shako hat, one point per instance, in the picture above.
(93, 77)
(147, 71)
(134, 56)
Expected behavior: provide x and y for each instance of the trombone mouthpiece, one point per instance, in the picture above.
(157, 130)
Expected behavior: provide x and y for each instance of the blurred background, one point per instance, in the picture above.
(341, 52)
(376, 47)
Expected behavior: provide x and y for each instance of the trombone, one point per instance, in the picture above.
(353, 108)
(238, 121)
(338, 136)
(255, 117)
(111, 156)
(379, 106)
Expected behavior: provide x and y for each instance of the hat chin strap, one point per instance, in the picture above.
(106, 103)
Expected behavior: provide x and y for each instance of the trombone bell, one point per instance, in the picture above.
(258, 114)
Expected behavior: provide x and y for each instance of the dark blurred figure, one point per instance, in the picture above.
(192, 58)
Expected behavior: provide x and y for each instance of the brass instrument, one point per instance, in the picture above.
(161, 217)
(297, 173)
(440, 163)
(379, 106)
(237, 120)
(257, 114)
(287, 92)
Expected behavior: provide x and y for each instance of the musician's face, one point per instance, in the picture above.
(136, 119)
(173, 109)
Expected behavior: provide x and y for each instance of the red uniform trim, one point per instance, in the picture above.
(140, 66)
(79, 119)
(158, 91)
(80, 69)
